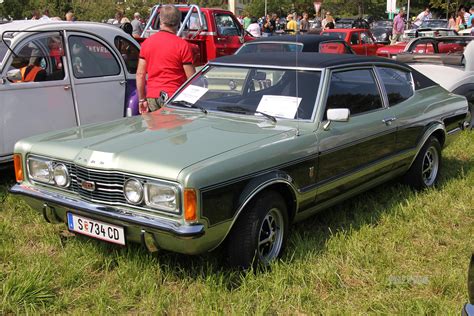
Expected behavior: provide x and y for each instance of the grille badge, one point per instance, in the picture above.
(88, 185)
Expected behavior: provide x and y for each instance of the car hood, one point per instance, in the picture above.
(447, 77)
(158, 144)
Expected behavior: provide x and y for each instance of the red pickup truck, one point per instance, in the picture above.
(214, 32)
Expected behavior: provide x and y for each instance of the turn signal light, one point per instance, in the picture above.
(190, 204)
(18, 167)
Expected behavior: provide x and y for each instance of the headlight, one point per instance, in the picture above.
(133, 191)
(61, 175)
(40, 170)
(163, 197)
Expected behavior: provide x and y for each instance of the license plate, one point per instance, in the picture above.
(96, 229)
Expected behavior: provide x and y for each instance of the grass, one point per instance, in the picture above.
(390, 250)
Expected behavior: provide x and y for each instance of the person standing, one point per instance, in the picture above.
(424, 15)
(326, 20)
(247, 21)
(460, 23)
(291, 26)
(166, 59)
(45, 15)
(267, 26)
(398, 27)
(470, 21)
(69, 16)
(254, 28)
(452, 22)
(304, 23)
(137, 26)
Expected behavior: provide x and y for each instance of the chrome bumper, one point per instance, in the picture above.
(52, 200)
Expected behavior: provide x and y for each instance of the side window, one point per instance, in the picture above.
(398, 84)
(365, 38)
(129, 53)
(355, 90)
(40, 58)
(355, 38)
(193, 23)
(226, 26)
(91, 58)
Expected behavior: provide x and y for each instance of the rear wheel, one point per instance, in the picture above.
(259, 235)
(424, 173)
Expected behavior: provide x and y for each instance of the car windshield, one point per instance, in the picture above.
(382, 24)
(340, 35)
(268, 47)
(3, 49)
(434, 24)
(279, 93)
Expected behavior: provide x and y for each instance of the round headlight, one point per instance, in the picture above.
(133, 191)
(61, 175)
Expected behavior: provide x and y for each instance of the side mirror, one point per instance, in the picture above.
(14, 75)
(336, 115)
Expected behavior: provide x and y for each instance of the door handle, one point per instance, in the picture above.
(67, 87)
(122, 82)
(388, 121)
(219, 39)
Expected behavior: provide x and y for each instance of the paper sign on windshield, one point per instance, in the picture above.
(279, 106)
(191, 94)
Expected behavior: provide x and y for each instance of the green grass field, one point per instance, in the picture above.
(390, 250)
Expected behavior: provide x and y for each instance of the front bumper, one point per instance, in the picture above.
(153, 232)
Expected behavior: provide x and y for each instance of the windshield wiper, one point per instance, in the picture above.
(244, 110)
(189, 105)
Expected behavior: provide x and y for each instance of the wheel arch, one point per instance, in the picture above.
(437, 130)
(277, 181)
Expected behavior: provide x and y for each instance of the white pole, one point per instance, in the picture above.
(408, 12)
(265, 8)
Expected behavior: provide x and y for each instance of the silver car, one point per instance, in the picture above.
(56, 75)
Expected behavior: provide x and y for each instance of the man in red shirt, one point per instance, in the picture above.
(167, 60)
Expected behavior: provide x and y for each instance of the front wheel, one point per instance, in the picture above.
(259, 235)
(424, 173)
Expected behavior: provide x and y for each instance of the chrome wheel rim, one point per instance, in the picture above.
(270, 236)
(430, 166)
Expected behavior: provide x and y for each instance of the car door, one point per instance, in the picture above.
(98, 79)
(368, 41)
(229, 34)
(356, 151)
(34, 107)
(354, 40)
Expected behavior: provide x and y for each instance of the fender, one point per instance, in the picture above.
(436, 126)
(256, 186)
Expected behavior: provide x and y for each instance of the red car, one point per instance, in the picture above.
(213, 32)
(390, 51)
(361, 41)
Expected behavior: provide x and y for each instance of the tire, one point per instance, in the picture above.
(424, 173)
(249, 243)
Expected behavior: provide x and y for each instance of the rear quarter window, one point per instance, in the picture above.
(398, 84)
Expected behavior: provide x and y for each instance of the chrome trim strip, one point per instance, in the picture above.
(127, 217)
(213, 63)
(454, 131)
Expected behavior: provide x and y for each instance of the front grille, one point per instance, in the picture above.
(108, 185)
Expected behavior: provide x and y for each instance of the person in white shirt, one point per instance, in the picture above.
(424, 15)
(254, 28)
(45, 15)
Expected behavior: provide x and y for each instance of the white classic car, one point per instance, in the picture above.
(449, 61)
(56, 75)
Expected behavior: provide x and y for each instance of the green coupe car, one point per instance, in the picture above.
(249, 145)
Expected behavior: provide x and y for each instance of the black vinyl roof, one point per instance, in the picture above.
(306, 60)
(310, 41)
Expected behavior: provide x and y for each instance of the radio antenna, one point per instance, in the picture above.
(297, 86)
